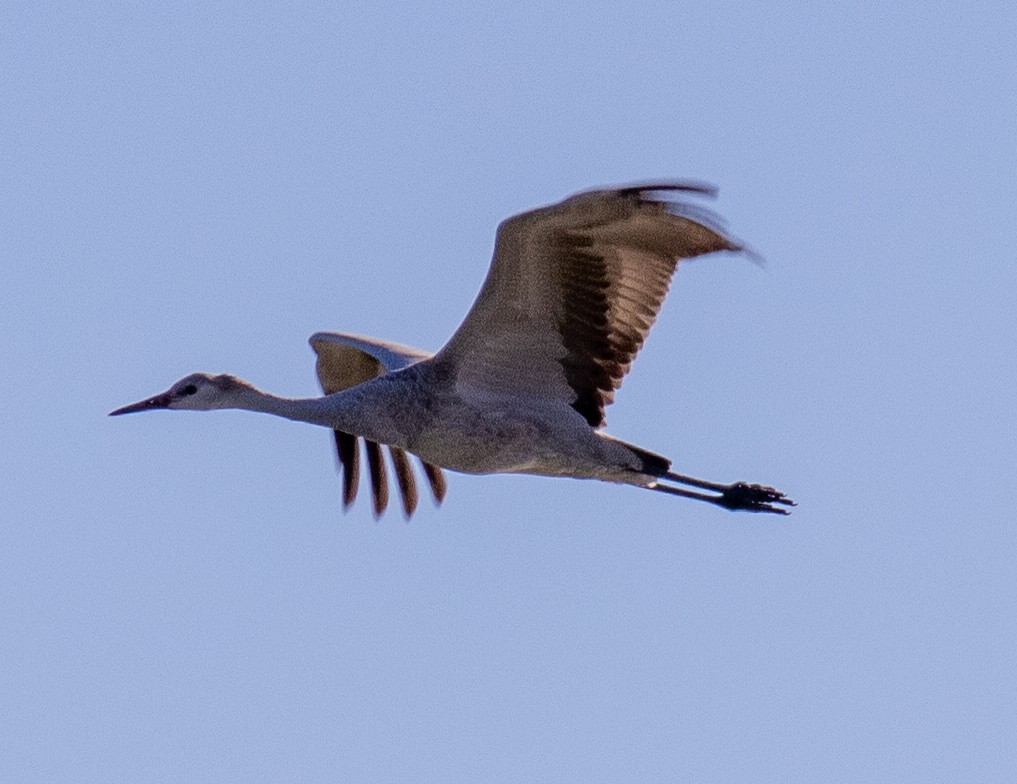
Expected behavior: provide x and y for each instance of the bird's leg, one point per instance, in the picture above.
(737, 496)
(754, 498)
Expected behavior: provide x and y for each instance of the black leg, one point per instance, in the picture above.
(738, 496)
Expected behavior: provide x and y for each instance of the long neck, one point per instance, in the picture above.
(333, 411)
(377, 410)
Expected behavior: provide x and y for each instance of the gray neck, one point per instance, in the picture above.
(376, 410)
(333, 411)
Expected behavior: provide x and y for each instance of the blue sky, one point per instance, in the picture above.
(201, 187)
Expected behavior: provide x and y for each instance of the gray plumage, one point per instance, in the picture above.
(522, 385)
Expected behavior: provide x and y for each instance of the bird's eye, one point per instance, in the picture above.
(190, 389)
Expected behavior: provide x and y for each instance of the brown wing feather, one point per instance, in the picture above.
(340, 366)
(379, 479)
(348, 451)
(573, 291)
(404, 477)
(436, 478)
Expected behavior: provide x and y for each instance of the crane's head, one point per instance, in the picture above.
(196, 392)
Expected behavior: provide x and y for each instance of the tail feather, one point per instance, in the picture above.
(653, 464)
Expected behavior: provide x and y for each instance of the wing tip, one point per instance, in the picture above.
(637, 190)
(642, 194)
(347, 448)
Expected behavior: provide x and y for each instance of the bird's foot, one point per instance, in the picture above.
(754, 498)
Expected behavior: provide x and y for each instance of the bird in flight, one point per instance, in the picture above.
(522, 385)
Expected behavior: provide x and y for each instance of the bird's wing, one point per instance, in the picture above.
(572, 292)
(345, 360)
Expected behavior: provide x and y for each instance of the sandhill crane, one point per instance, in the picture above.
(521, 386)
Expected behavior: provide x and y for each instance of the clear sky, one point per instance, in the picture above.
(201, 186)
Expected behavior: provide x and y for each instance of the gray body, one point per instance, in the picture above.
(420, 410)
(522, 385)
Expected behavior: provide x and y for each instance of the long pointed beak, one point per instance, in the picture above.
(159, 401)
